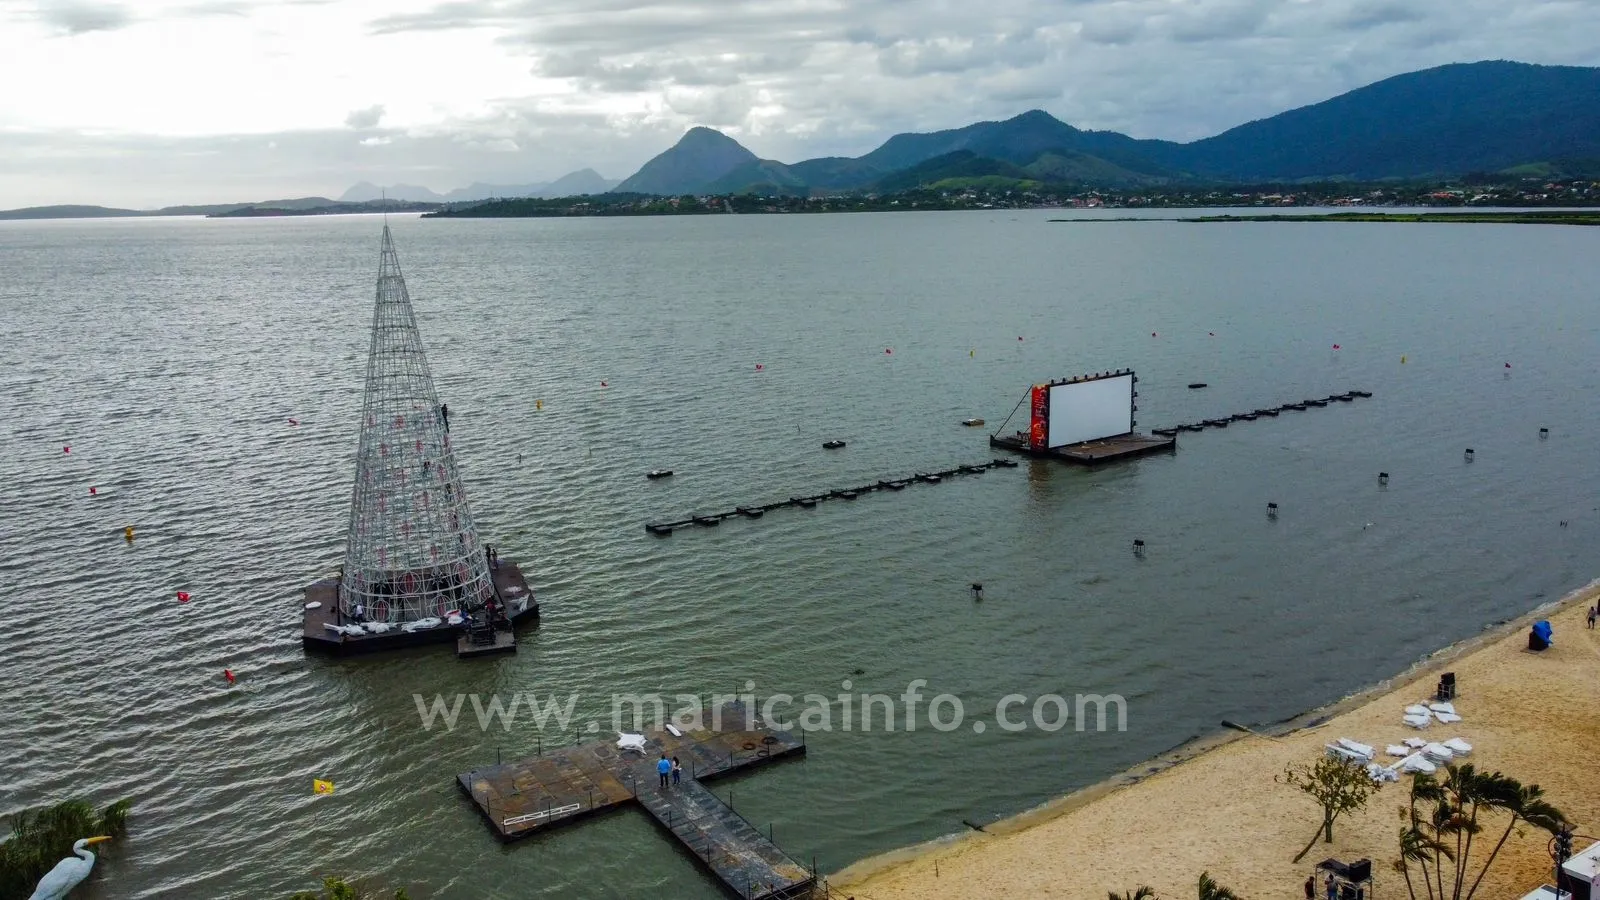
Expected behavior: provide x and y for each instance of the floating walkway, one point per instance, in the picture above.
(810, 502)
(531, 796)
(1273, 412)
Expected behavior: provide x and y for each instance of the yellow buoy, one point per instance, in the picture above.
(538, 404)
(127, 533)
(1402, 360)
(972, 353)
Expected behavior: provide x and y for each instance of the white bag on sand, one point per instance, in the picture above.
(1417, 709)
(1443, 707)
(1398, 750)
(1438, 753)
(1418, 764)
(1447, 718)
(1357, 747)
(1459, 747)
(1415, 743)
(1418, 721)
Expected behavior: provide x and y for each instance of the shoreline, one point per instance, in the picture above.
(909, 859)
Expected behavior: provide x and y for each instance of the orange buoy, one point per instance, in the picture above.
(887, 350)
(66, 449)
(91, 490)
(760, 367)
(1335, 346)
(183, 596)
(228, 674)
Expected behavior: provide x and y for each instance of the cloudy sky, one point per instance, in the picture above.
(152, 102)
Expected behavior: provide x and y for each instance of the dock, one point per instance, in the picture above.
(810, 501)
(1092, 453)
(562, 787)
(321, 609)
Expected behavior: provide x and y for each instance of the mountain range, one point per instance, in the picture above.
(572, 184)
(1440, 122)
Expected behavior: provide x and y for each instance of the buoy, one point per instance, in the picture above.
(602, 384)
(1272, 510)
(977, 590)
(887, 350)
(1383, 477)
(972, 353)
(183, 596)
(1197, 385)
(1138, 546)
(1402, 360)
(1152, 334)
(1211, 333)
(1335, 346)
(66, 449)
(294, 421)
(1469, 454)
(759, 367)
(1508, 365)
(228, 674)
(127, 532)
(538, 404)
(1019, 337)
(1544, 433)
(91, 490)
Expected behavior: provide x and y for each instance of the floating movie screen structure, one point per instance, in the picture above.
(1086, 408)
(412, 550)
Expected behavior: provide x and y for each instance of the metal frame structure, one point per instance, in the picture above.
(412, 551)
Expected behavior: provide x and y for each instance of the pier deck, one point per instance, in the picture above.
(522, 798)
(508, 580)
(1093, 453)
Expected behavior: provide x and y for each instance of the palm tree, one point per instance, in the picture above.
(1526, 804)
(1417, 847)
(1210, 890)
(1143, 892)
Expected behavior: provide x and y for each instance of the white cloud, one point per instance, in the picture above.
(446, 93)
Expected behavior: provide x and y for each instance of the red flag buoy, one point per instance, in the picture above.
(1508, 365)
(91, 490)
(1152, 334)
(1212, 333)
(1335, 346)
(66, 449)
(887, 350)
(759, 367)
(228, 674)
(1019, 337)
(183, 596)
(602, 384)
(294, 421)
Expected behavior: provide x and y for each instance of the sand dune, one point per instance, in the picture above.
(1533, 716)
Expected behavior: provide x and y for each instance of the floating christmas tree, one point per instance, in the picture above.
(412, 551)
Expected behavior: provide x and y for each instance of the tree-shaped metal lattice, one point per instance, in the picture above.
(413, 551)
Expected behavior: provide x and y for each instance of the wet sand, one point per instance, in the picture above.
(1213, 805)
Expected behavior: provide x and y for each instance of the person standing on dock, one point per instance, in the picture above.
(677, 771)
(662, 769)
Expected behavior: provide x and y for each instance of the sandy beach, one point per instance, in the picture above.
(1214, 805)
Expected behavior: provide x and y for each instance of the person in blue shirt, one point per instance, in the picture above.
(663, 768)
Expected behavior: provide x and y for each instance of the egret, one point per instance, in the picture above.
(60, 881)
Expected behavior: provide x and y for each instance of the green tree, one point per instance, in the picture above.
(1142, 892)
(1210, 890)
(1338, 785)
(41, 838)
(1444, 818)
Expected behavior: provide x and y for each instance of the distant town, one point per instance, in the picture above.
(1488, 192)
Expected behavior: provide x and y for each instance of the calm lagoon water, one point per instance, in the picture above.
(170, 353)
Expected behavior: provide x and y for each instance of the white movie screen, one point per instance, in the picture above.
(1089, 410)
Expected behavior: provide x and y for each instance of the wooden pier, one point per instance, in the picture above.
(810, 502)
(560, 787)
(1092, 453)
(321, 609)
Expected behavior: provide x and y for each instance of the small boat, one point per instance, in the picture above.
(658, 473)
(832, 445)
(972, 423)
(1195, 386)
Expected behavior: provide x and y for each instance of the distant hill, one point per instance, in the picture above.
(329, 208)
(583, 181)
(1440, 122)
(69, 212)
(104, 212)
(1449, 120)
(699, 158)
(573, 184)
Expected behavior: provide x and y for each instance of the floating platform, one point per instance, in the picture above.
(561, 787)
(663, 529)
(1094, 453)
(509, 583)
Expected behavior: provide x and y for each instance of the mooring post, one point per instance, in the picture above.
(539, 746)
(497, 756)
(769, 835)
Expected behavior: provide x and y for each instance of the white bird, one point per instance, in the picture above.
(60, 881)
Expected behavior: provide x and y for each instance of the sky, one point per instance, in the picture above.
(157, 102)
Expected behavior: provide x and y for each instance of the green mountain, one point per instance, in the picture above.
(1448, 120)
(761, 176)
(700, 157)
(959, 169)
